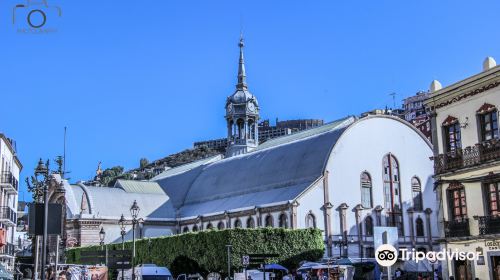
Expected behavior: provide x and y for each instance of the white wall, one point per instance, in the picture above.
(362, 148)
(312, 200)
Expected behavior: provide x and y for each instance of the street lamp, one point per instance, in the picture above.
(121, 222)
(39, 187)
(343, 244)
(102, 235)
(134, 211)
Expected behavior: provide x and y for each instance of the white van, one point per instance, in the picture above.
(147, 272)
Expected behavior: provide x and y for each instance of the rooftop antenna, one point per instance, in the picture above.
(393, 99)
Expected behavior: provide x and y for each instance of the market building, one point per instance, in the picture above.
(464, 119)
(344, 177)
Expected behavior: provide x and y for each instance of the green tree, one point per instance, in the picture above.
(143, 162)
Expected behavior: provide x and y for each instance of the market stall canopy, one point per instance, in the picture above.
(275, 266)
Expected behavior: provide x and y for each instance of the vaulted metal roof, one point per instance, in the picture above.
(277, 171)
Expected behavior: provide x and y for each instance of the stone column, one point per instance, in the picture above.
(259, 217)
(246, 128)
(327, 214)
(428, 213)
(343, 223)
(412, 227)
(359, 225)
(293, 214)
(229, 130)
(378, 214)
(228, 220)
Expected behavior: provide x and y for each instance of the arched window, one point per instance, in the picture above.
(269, 221)
(392, 192)
(369, 226)
(195, 228)
(210, 226)
(416, 191)
(283, 222)
(366, 190)
(310, 221)
(419, 224)
(237, 223)
(250, 222)
(220, 225)
(241, 128)
(185, 229)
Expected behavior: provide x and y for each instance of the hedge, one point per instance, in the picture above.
(206, 250)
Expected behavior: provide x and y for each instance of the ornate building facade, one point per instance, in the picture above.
(467, 167)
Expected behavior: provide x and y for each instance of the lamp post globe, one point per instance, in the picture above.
(102, 235)
(134, 210)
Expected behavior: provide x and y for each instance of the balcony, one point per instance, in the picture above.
(8, 216)
(7, 250)
(9, 182)
(457, 228)
(488, 224)
(480, 153)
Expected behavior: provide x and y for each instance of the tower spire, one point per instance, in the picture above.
(242, 76)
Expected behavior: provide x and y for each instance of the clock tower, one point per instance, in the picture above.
(242, 115)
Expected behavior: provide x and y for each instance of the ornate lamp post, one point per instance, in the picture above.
(102, 235)
(40, 188)
(121, 222)
(343, 244)
(134, 211)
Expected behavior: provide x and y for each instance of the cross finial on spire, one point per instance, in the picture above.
(242, 77)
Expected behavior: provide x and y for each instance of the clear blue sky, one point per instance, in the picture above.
(136, 79)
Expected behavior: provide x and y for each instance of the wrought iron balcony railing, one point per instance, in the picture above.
(8, 215)
(7, 250)
(470, 156)
(8, 180)
(488, 224)
(457, 228)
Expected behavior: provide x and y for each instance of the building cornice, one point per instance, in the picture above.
(466, 88)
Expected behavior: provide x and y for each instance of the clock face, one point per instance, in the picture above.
(251, 107)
